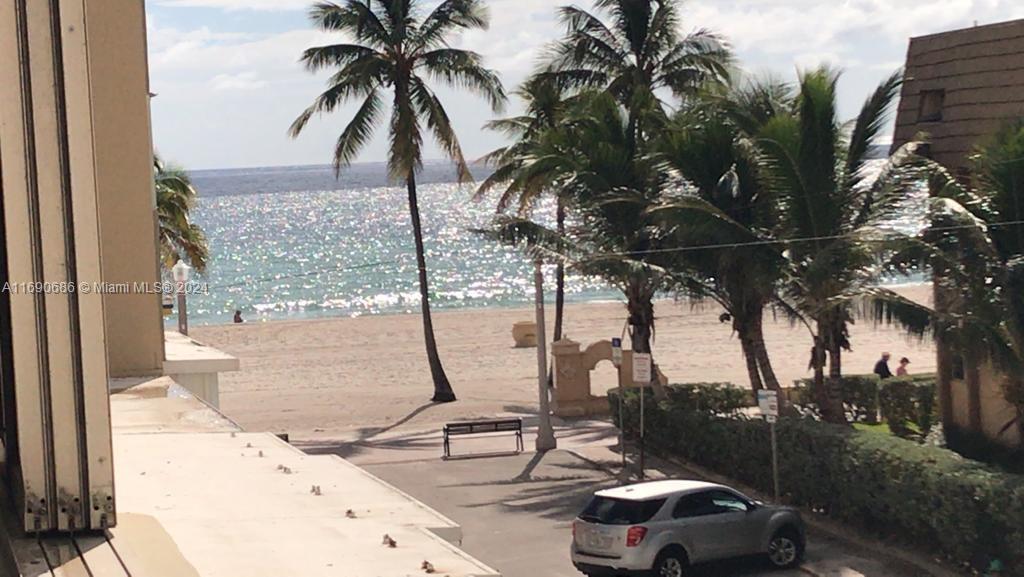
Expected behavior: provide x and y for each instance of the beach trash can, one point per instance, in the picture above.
(525, 334)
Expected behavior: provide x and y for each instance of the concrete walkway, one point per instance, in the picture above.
(516, 510)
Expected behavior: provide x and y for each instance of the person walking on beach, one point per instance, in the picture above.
(901, 371)
(882, 367)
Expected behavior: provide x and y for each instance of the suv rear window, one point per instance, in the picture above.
(608, 511)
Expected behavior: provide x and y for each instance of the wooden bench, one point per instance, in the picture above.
(483, 427)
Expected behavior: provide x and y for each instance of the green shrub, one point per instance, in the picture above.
(717, 398)
(892, 487)
(860, 397)
(908, 406)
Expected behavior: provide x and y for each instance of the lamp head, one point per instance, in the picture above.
(180, 271)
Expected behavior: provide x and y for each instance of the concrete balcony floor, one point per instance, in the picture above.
(196, 496)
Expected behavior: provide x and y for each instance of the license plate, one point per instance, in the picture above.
(597, 539)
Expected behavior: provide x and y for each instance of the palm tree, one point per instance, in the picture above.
(180, 238)
(395, 48)
(730, 208)
(608, 188)
(545, 108)
(635, 55)
(831, 211)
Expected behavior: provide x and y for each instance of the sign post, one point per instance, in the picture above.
(642, 377)
(617, 361)
(768, 403)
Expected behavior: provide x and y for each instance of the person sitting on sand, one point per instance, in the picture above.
(901, 371)
(882, 367)
(238, 317)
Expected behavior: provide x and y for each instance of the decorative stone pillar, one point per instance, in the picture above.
(571, 378)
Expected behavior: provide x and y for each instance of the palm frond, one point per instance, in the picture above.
(430, 107)
(354, 17)
(885, 306)
(451, 16)
(464, 69)
(873, 118)
(358, 131)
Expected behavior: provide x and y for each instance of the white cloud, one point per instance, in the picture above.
(240, 81)
(201, 69)
(234, 5)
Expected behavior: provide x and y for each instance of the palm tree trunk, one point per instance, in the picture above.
(640, 306)
(560, 275)
(818, 391)
(764, 363)
(750, 355)
(828, 392)
(835, 413)
(641, 319)
(442, 388)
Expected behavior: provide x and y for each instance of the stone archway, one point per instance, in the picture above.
(572, 377)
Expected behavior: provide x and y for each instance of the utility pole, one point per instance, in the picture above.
(545, 435)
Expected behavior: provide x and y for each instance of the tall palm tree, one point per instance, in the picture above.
(831, 211)
(180, 238)
(636, 54)
(729, 207)
(545, 108)
(396, 47)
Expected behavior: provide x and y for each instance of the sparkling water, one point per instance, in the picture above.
(297, 243)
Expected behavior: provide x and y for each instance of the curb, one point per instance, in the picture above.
(915, 560)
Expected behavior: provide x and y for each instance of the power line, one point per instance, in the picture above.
(769, 242)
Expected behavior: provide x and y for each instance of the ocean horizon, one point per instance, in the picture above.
(294, 242)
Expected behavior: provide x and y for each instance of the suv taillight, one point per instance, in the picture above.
(635, 535)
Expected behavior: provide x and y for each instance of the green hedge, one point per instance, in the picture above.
(890, 486)
(908, 406)
(860, 396)
(866, 399)
(717, 398)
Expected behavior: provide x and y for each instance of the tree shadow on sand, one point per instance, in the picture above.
(365, 439)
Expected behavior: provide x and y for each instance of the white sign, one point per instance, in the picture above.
(617, 352)
(768, 402)
(641, 368)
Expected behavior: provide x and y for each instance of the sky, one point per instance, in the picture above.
(229, 84)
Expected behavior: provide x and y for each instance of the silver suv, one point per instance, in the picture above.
(659, 528)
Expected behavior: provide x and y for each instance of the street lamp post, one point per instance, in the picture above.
(545, 435)
(180, 272)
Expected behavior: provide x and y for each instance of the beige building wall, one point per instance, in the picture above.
(124, 176)
(995, 411)
(960, 88)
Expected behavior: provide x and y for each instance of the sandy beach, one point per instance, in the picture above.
(334, 377)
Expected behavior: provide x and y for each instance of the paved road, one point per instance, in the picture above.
(516, 511)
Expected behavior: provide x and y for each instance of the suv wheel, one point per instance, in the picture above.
(785, 550)
(670, 563)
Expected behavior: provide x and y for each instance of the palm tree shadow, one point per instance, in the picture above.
(365, 439)
(367, 433)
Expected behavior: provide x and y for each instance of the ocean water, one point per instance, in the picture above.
(294, 242)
